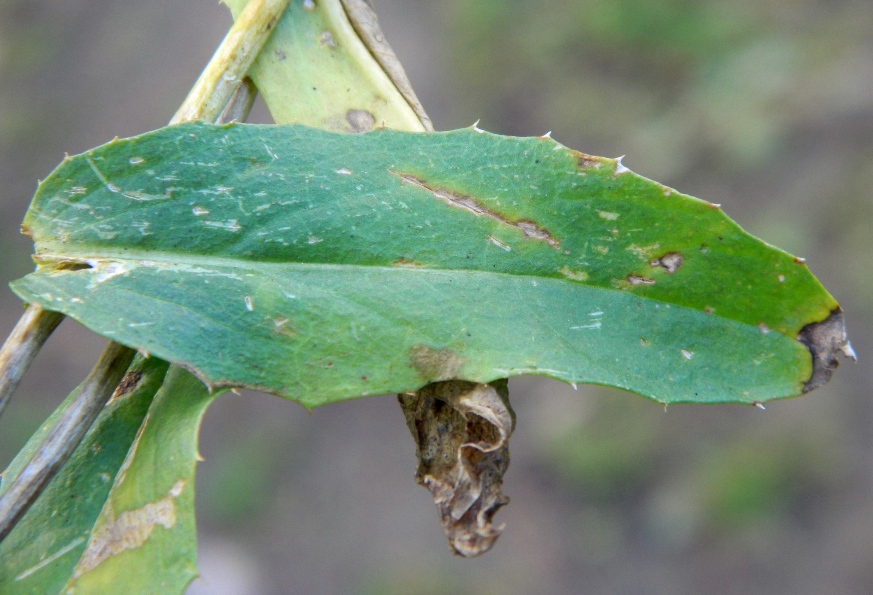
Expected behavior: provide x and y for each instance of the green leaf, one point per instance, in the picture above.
(323, 266)
(112, 516)
(315, 69)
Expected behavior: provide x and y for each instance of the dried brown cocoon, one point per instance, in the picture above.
(461, 431)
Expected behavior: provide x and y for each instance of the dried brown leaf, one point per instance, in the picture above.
(462, 430)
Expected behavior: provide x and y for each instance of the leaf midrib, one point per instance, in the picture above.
(180, 259)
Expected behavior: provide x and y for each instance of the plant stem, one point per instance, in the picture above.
(22, 345)
(239, 106)
(66, 436)
(231, 61)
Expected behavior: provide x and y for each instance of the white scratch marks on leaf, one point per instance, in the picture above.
(185, 268)
(77, 191)
(498, 243)
(142, 226)
(595, 323)
(592, 326)
(109, 186)
(137, 195)
(229, 225)
(104, 270)
(250, 305)
(66, 549)
(130, 530)
(198, 211)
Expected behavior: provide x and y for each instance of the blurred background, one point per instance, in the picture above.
(765, 106)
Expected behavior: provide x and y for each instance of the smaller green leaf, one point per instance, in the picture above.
(314, 69)
(39, 555)
(122, 511)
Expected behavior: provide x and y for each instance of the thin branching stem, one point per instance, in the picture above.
(231, 61)
(65, 436)
(22, 345)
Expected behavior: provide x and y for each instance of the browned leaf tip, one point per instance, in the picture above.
(461, 430)
(825, 340)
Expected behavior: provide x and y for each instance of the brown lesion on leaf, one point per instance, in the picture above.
(587, 161)
(670, 262)
(639, 280)
(282, 326)
(434, 364)
(530, 229)
(130, 530)
(360, 120)
(825, 340)
(461, 430)
(406, 263)
(72, 265)
(128, 384)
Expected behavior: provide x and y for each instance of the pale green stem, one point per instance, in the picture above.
(20, 349)
(70, 428)
(231, 61)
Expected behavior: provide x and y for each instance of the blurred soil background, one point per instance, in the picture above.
(765, 106)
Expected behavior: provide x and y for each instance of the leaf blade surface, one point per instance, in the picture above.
(326, 266)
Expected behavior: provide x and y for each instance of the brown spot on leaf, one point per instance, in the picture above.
(825, 340)
(406, 263)
(638, 280)
(282, 326)
(326, 39)
(130, 530)
(360, 120)
(435, 365)
(461, 431)
(670, 262)
(127, 384)
(72, 265)
(587, 161)
(574, 275)
(529, 229)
